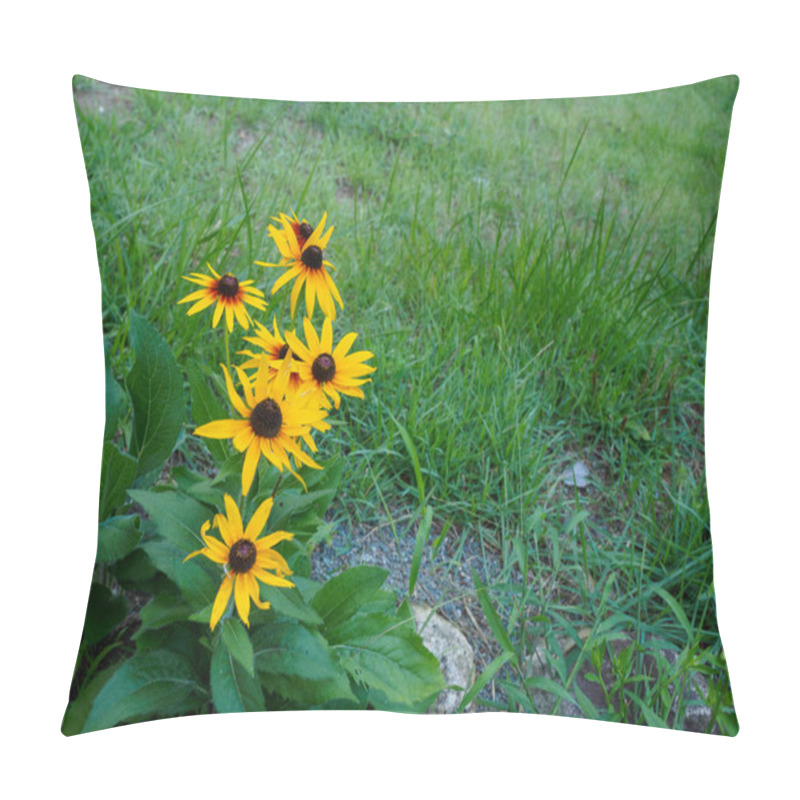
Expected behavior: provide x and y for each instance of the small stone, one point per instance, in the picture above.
(576, 475)
(455, 654)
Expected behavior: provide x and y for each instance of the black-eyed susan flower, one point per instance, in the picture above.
(305, 264)
(302, 228)
(272, 345)
(246, 559)
(273, 417)
(328, 370)
(229, 293)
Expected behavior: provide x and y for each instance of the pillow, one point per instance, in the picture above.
(404, 407)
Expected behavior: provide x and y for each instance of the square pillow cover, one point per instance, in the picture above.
(404, 407)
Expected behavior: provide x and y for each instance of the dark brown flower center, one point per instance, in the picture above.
(242, 556)
(228, 286)
(312, 257)
(266, 419)
(304, 230)
(284, 350)
(324, 368)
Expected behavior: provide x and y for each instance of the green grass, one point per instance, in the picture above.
(533, 279)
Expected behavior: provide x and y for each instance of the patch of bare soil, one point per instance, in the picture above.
(103, 98)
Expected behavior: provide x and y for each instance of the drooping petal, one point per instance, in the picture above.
(217, 314)
(250, 464)
(221, 600)
(241, 597)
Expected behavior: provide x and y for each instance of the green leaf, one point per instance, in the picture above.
(423, 531)
(117, 473)
(115, 399)
(676, 609)
(206, 407)
(116, 538)
(548, 685)
(232, 688)
(289, 603)
(390, 658)
(150, 685)
(492, 618)
(650, 716)
(344, 595)
(178, 518)
(78, 710)
(287, 648)
(638, 431)
(484, 678)
(327, 693)
(291, 505)
(135, 571)
(155, 385)
(412, 452)
(237, 640)
(104, 612)
(168, 605)
(196, 578)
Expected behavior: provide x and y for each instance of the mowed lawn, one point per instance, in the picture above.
(533, 280)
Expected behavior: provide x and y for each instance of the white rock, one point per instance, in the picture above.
(455, 654)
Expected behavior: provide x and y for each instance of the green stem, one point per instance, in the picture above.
(277, 484)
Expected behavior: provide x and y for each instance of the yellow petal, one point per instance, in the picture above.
(201, 306)
(241, 596)
(297, 346)
(315, 237)
(222, 428)
(250, 464)
(326, 342)
(298, 284)
(234, 396)
(258, 520)
(217, 314)
(344, 345)
(221, 600)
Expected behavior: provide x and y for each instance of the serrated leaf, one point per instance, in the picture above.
(237, 640)
(167, 606)
(103, 613)
(343, 595)
(194, 578)
(287, 648)
(146, 685)
(177, 518)
(155, 386)
(232, 688)
(117, 473)
(393, 661)
(328, 693)
(116, 537)
(289, 603)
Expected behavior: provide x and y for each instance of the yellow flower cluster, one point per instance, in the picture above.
(286, 389)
